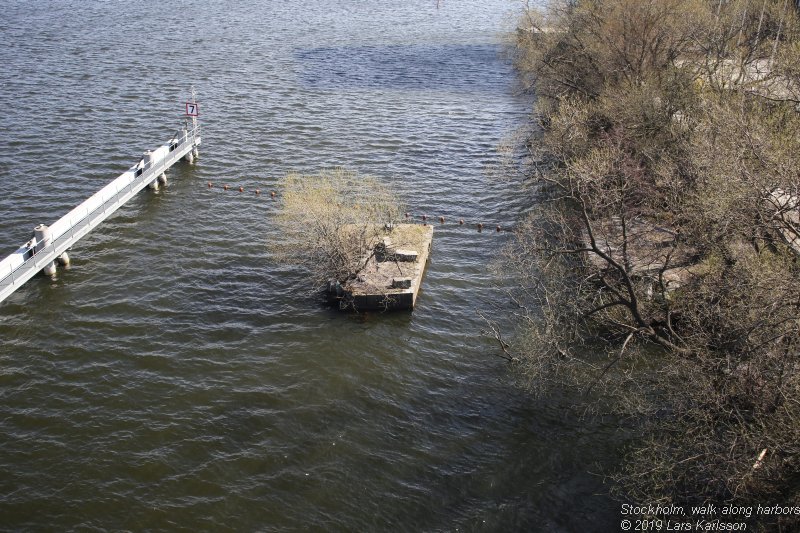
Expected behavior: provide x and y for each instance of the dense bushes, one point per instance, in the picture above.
(667, 170)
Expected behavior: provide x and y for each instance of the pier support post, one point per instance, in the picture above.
(43, 239)
(63, 259)
(191, 154)
(162, 179)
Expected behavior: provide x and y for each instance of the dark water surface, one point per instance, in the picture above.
(175, 377)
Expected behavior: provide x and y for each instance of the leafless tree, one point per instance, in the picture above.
(659, 268)
(331, 221)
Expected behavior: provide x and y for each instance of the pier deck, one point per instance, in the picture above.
(33, 256)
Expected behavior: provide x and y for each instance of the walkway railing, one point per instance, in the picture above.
(17, 275)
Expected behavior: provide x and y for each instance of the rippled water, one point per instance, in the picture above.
(175, 376)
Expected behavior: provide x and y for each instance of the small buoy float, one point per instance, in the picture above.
(499, 229)
(461, 222)
(272, 194)
(225, 187)
(258, 191)
(480, 227)
(407, 215)
(424, 217)
(210, 184)
(441, 220)
(241, 189)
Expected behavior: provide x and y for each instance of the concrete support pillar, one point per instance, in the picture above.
(189, 157)
(50, 269)
(162, 179)
(43, 239)
(63, 259)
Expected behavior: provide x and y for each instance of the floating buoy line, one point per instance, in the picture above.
(410, 218)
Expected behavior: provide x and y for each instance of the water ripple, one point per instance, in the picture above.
(176, 376)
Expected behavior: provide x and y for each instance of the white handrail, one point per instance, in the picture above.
(67, 237)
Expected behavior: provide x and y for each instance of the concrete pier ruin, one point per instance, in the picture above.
(392, 277)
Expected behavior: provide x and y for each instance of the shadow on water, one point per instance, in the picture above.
(472, 68)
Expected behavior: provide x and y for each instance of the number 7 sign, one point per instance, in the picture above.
(192, 109)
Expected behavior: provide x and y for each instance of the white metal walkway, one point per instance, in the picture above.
(33, 256)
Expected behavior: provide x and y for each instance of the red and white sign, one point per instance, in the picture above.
(192, 109)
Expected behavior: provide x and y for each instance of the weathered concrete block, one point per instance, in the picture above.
(383, 287)
(401, 283)
(406, 256)
(383, 250)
